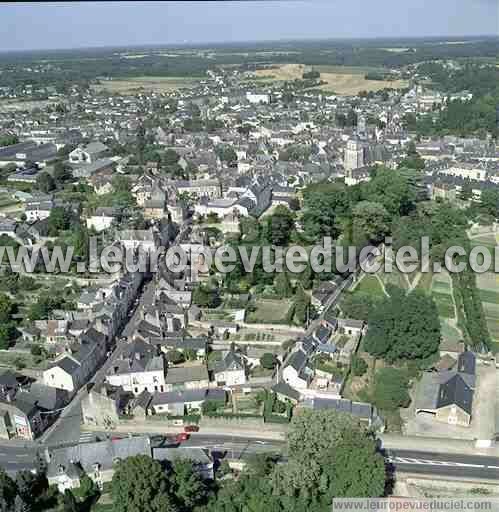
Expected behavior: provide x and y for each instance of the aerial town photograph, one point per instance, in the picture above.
(249, 256)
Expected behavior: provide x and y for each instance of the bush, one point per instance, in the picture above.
(268, 361)
(391, 389)
(359, 366)
(36, 350)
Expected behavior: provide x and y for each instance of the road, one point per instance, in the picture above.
(438, 464)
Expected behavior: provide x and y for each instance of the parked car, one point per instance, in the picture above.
(191, 428)
(181, 437)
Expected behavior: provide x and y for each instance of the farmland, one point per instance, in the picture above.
(343, 80)
(147, 83)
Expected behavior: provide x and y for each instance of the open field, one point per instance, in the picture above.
(370, 285)
(147, 83)
(341, 80)
(270, 311)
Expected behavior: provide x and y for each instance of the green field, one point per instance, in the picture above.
(270, 311)
(371, 286)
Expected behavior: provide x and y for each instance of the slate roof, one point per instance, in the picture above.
(456, 391)
(357, 409)
(230, 362)
(179, 375)
(104, 453)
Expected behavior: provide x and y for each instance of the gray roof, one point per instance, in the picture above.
(179, 375)
(104, 453)
(230, 361)
(189, 395)
(357, 409)
(196, 455)
(282, 388)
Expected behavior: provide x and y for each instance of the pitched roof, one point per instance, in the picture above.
(456, 392)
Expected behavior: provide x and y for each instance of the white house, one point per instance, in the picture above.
(231, 370)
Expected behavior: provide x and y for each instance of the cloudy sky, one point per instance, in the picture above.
(85, 24)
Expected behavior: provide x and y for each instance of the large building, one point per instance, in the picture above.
(354, 155)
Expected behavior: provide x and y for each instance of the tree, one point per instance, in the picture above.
(357, 305)
(8, 488)
(20, 505)
(301, 305)
(277, 228)
(68, 502)
(370, 221)
(175, 356)
(358, 469)
(392, 190)
(87, 490)
(45, 182)
(187, 486)
(466, 191)
(359, 366)
(269, 361)
(58, 220)
(390, 389)
(205, 296)
(282, 285)
(322, 207)
(490, 201)
(8, 140)
(314, 473)
(61, 172)
(139, 485)
(404, 327)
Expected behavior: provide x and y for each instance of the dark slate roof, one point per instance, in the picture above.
(283, 388)
(298, 360)
(189, 395)
(358, 409)
(466, 363)
(231, 361)
(67, 364)
(456, 392)
(322, 333)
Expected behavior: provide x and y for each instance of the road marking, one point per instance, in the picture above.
(403, 460)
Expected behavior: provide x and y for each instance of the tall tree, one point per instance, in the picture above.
(139, 485)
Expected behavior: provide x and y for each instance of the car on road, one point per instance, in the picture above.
(182, 437)
(191, 428)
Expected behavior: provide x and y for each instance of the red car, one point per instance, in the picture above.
(181, 437)
(191, 428)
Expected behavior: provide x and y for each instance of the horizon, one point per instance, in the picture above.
(91, 25)
(469, 38)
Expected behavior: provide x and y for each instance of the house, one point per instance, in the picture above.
(230, 370)
(88, 154)
(178, 403)
(188, 377)
(285, 392)
(139, 368)
(73, 369)
(297, 373)
(102, 219)
(66, 466)
(351, 327)
(448, 394)
(19, 418)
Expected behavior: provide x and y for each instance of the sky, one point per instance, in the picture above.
(85, 24)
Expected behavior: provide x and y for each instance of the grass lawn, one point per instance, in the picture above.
(370, 285)
(270, 311)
